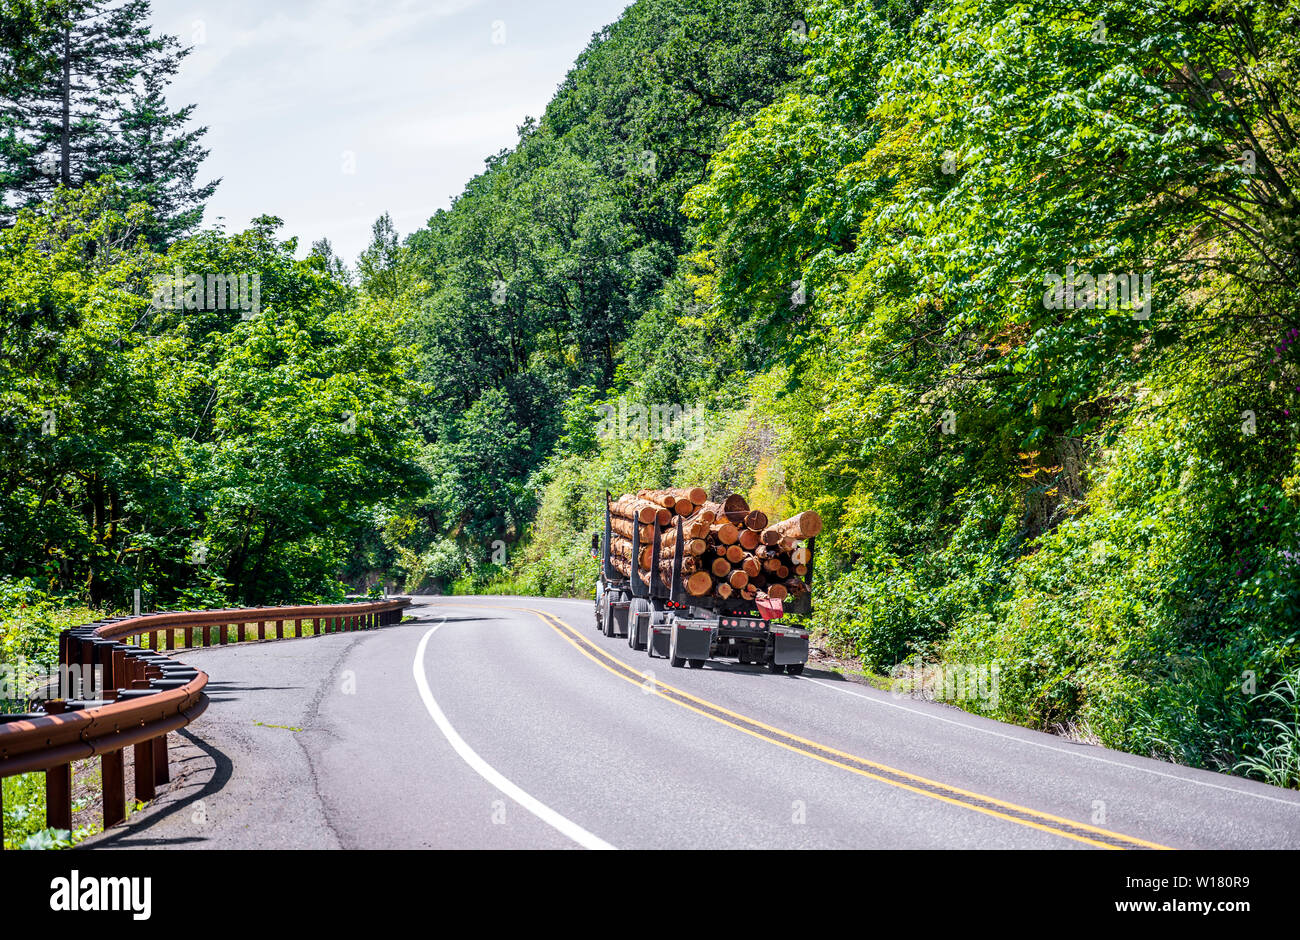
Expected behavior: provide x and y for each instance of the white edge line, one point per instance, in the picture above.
(1057, 750)
(487, 771)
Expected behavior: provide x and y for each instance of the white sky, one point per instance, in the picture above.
(410, 96)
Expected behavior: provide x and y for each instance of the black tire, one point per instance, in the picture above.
(602, 612)
(678, 662)
(696, 663)
(774, 667)
(794, 669)
(610, 626)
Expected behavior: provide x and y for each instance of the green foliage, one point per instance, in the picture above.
(30, 622)
(222, 452)
(1098, 497)
(521, 295)
(1278, 761)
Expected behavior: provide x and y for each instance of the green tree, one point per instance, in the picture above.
(88, 101)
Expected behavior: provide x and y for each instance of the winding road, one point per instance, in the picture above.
(511, 723)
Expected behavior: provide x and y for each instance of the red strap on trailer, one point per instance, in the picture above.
(769, 608)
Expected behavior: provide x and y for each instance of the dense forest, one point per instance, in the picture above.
(1006, 292)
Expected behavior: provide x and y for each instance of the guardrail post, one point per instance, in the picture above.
(239, 632)
(207, 634)
(161, 772)
(145, 789)
(108, 664)
(279, 629)
(261, 629)
(113, 771)
(225, 634)
(297, 628)
(171, 638)
(189, 638)
(58, 797)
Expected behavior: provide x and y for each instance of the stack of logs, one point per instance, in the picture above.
(729, 550)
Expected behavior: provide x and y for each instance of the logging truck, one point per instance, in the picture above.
(688, 580)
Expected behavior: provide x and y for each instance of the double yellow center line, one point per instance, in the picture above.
(1020, 815)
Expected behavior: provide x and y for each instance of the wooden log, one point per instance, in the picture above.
(801, 555)
(777, 592)
(751, 567)
(695, 495)
(721, 567)
(638, 510)
(625, 528)
(690, 565)
(735, 554)
(738, 579)
(658, 497)
(749, 592)
(733, 508)
(801, 570)
(691, 547)
(806, 525)
(756, 519)
(726, 533)
(699, 584)
(624, 568)
(749, 539)
(693, 528)
(620, 548)
(723, 590)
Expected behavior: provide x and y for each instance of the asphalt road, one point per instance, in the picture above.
(510, 723)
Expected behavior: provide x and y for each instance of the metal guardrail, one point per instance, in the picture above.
(136, 696)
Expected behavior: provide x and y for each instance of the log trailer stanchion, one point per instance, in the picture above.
(664, 620)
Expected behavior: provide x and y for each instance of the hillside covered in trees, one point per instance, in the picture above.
(1005, 292)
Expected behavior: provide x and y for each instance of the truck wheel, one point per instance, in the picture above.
(610, 626)
(774, 667)
(678, 662)
(794, 669)
(697, 663)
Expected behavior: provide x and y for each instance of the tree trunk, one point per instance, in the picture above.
(65, 140)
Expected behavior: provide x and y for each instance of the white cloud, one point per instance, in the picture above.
(414, 88)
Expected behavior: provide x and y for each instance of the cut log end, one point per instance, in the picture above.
(699, 584)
